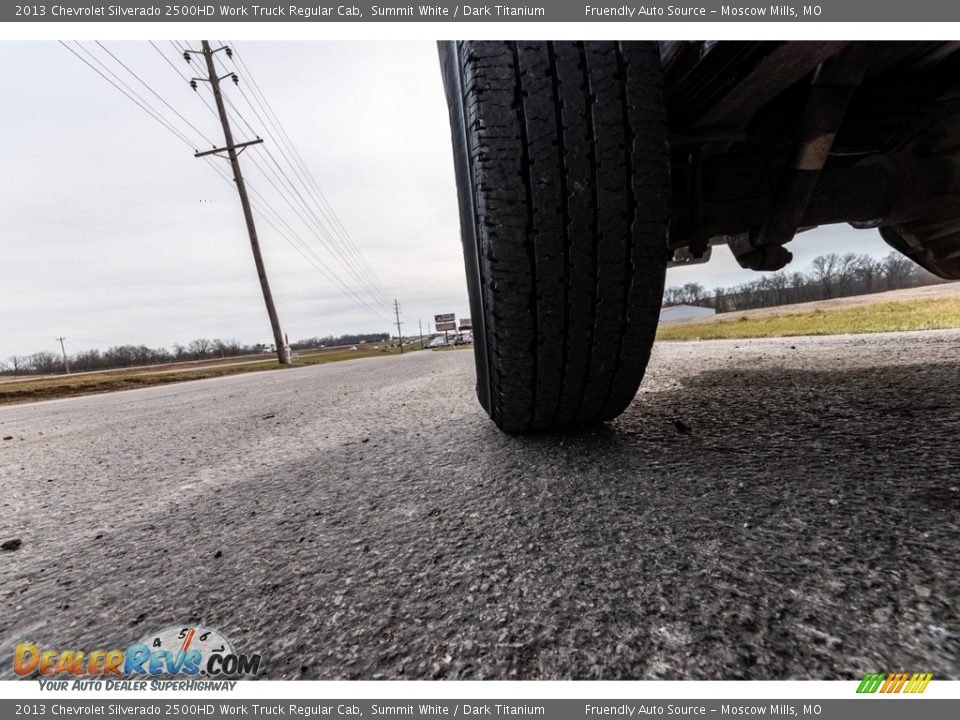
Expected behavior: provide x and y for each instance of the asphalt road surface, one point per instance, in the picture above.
(765, 509)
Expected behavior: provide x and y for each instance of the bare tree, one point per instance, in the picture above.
(868, 272)
(45, 363)
(846, 271)
(673, 296)
(896, 270)
(693, 293)
(719, 299)
(88, 360)
(200, 347)
(823, 270)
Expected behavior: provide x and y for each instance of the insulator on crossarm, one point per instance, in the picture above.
(186, 56)
(229, 51)
(193, 84)
(236, 80)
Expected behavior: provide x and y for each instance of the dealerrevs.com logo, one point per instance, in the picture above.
(174, 652)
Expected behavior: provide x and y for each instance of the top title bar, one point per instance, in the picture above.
(447, 11)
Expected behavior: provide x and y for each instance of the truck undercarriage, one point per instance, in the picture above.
(769, 139)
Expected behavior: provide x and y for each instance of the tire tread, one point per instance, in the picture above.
(569, 173)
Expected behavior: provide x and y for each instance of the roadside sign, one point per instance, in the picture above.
(446, 326)
(465, 324)
(445, 318)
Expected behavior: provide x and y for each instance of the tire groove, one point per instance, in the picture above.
(591, 131)
(631, 275)
(565, 218)
(530, 230)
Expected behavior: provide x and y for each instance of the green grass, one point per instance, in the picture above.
(933, 314)
(68, 385)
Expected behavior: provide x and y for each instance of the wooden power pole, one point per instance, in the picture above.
(231, 150)
(66, 363)
(396, 309)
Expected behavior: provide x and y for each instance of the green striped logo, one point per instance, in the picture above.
(894, 682)
(871, 682)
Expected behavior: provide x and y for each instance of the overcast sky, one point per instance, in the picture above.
(113, 233)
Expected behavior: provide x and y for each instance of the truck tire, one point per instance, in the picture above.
(562, 168)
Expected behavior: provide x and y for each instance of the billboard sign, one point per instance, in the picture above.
(446, 322)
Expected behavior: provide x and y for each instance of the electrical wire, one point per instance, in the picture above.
(364, 274)
(185, 78)
(156, 94)
(312, 186)
(282, 177)
(286, 199)
(345, 243)
(263, 208)
(133, 97)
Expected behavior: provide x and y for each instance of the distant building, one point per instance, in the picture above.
(673, 313)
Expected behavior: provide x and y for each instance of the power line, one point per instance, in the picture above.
(179, 72)
(139, 97)
(364, 274)
(344, 243)
(231, 148)
(336, 251)
(366, 279)
(272, 216)
(277, 216)
(169, 125)
(156, 94)
(286, 199)
(277, 171)
(293, 243)
(323, 204)
(142, 104)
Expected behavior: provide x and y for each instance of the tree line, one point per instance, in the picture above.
(125, 356)
(331, 340)
(828, 276)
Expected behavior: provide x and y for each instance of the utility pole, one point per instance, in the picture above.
(66, 363)
(420, 325)
(231, 149)
(396, 309)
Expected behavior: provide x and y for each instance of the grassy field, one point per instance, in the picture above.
(927, 314)
(48, 388)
